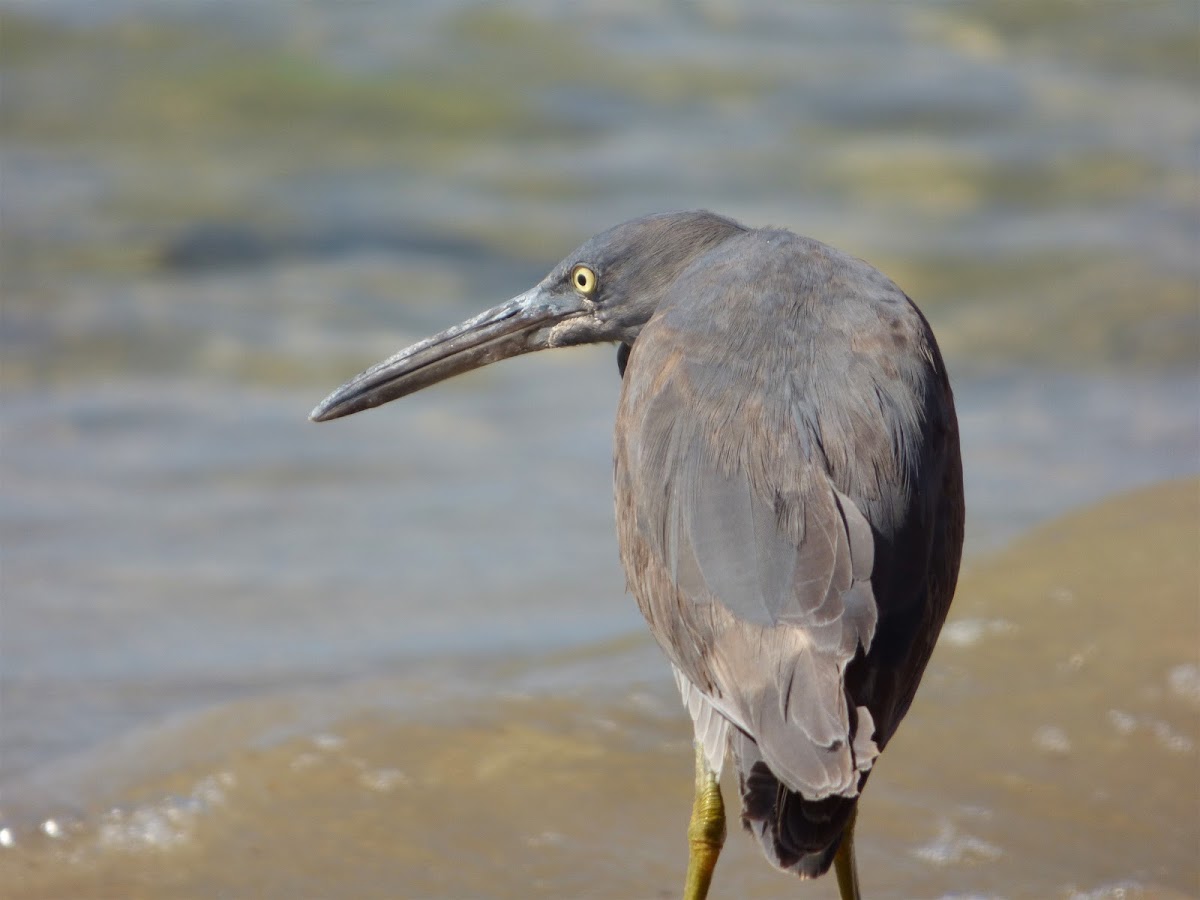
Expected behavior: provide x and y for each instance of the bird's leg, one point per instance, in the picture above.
(844, 865)
(706, 830)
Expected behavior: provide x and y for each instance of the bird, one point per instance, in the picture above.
(788, 495)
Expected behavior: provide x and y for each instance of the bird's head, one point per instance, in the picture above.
(604, 291)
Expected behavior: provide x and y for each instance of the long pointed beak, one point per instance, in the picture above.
(521, 325)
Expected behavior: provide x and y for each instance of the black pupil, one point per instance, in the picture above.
(581, 279)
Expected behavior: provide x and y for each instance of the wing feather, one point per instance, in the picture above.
(752, 569)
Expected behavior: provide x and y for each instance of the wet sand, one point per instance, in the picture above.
(1052, 752)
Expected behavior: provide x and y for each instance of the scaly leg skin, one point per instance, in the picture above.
(847, 871)
(706, 830)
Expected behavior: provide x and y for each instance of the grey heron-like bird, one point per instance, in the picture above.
(788, 496)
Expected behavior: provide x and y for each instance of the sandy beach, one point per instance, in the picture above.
(1051, 752)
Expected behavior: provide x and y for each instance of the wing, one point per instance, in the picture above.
(752, 568)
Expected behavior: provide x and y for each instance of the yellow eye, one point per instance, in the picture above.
(584, 280)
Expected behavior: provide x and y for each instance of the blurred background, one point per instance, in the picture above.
(212, 214)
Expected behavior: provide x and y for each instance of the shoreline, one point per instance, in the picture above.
(1054, 737)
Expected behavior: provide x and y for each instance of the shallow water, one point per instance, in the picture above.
(209, 221)
(167, 547)
(1072, 774)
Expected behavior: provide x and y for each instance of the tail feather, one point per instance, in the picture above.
(797, 835)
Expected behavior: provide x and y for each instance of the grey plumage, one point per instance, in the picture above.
(788, 490)
(752, 448)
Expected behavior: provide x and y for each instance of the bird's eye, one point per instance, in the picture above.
(583, 280)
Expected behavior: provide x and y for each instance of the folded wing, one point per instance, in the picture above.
(751, 567)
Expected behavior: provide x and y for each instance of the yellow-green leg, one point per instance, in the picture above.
(843, 863)
(706, 830)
